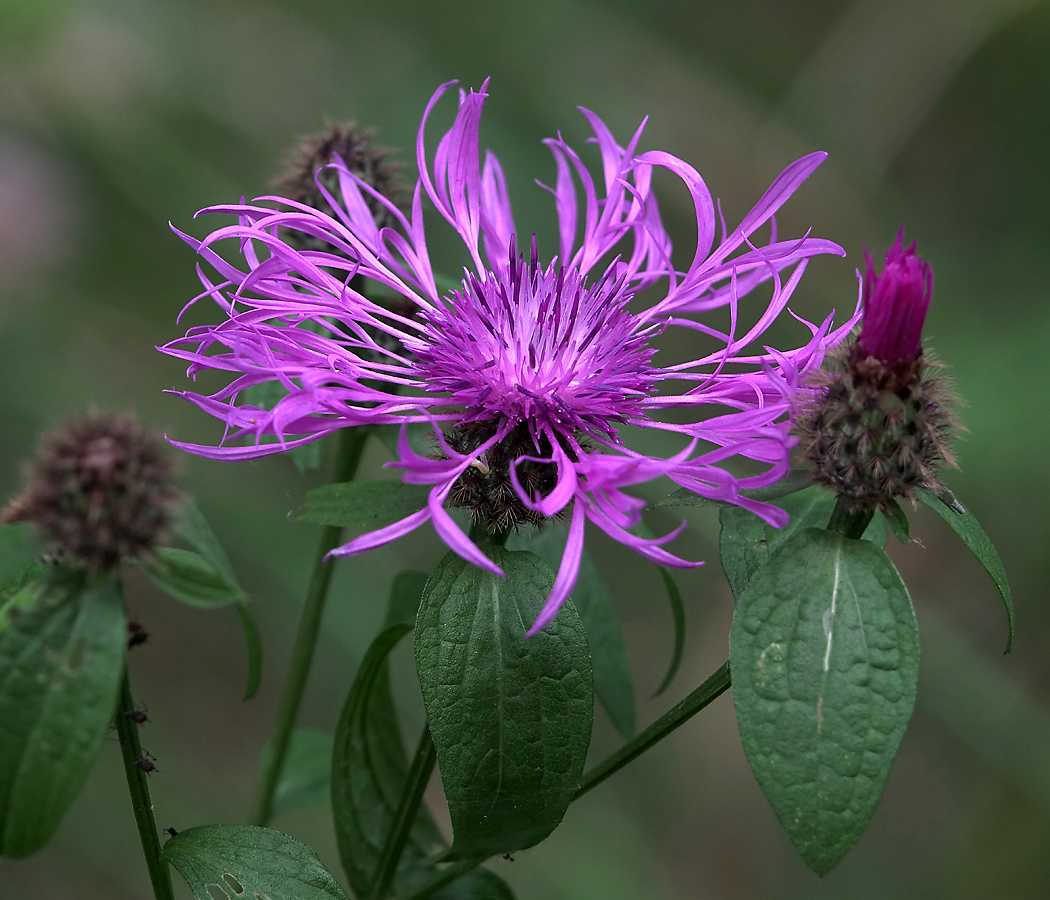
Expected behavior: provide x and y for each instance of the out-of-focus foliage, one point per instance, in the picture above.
(117, 117)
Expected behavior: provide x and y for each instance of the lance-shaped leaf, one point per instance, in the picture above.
(61, 659)
(237, 862)
(746, 541)
(369, 771)
(965, 525)
(825, 658)
(306, 777)
(363, 504)
(613, 684)
(510, 717)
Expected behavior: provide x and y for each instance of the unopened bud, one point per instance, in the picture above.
(880, 424)
(895, 304)
(100, 489)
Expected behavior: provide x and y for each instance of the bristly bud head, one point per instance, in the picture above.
(895, 304)
(101, 490)
(880, 425)
(310, 163)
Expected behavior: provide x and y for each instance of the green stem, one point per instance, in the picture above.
(351, 445)
(849, 522)
(415, 785)
(716, 685)
(131, 752)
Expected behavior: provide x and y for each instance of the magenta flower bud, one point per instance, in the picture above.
(895, 304)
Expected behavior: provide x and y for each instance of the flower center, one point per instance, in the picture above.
(525, 344)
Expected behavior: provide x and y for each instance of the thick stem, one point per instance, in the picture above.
(716, 685)
(481, 536)
(415, 785)
(351, 445)
(131, 753)
(849, 522)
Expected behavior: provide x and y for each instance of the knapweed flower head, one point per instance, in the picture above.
(895, 304)
(882, 423)
(101, 490)
(528, 367)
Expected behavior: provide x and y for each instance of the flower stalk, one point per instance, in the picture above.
(415, 784)
(131, 753)
(351, 446)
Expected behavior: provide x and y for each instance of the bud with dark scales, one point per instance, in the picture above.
(310, 174)
(881, 423)
(101, 490)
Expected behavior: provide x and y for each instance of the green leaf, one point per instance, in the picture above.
(746, 541)
(369, 770)
(510, 717)
(824, 651)
(20, 552)
(613, 684)
(306, 779)
(969, 529)
(189, 577)
(795, 482)
(230, 862)
(195, 530)
(61, 660)
(405, 594)
(363, 504)
(898, 522)
(254, 647)
(204, 577)
(674, 597)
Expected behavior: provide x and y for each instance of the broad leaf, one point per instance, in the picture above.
(238, 862)
(824, 651)
(969, 529)
(363, 504)
(20, 552)
(510, 717)
(189, 577)
(369, 770)
(61, 660)
(613, 684)
(306, 778)
(746, 541)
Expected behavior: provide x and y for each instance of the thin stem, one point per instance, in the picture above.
(716, 685)
(415, 785)
(848, 521)
(351, 445)
(131, 753)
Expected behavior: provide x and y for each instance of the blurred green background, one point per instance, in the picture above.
(117, 117)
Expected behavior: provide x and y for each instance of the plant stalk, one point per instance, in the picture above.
(405, 817)
(849, 522)
(138, 788)
(351, 445)
(716, 685)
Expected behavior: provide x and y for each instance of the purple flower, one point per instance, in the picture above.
(895, 304)
(526, 370)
